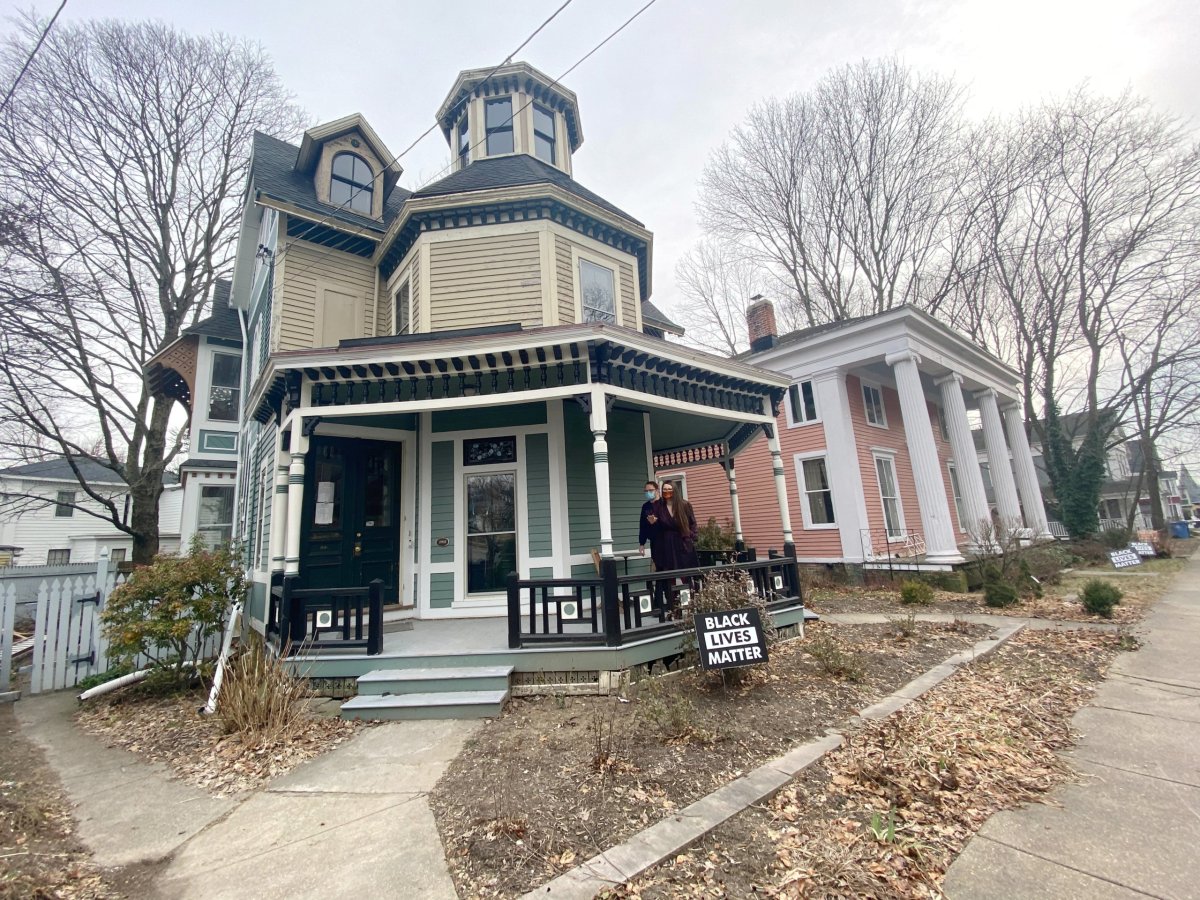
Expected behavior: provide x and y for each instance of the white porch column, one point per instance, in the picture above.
(973, 499)
(785, 513)
(841, 461)
(1026, 472)
(733, 501)
(940, 543)
(997, 450)
(598, 419)
(279, 507)
(295, 497)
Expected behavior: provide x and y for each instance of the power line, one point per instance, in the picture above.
(424, 134)
(32, 53)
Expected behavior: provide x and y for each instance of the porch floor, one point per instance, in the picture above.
(448, 637)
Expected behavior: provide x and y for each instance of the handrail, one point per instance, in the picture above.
(296, 609)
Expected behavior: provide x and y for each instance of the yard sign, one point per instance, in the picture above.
(730, 639)
(1142, 548)
(1122, 559)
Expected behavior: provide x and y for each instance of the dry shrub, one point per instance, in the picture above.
(671, 714)
(835, 661)
(260, 698)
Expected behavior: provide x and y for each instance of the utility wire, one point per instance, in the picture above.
(32, 53)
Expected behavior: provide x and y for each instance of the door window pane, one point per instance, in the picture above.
(491, 531)
(377, 503)
(329, 477)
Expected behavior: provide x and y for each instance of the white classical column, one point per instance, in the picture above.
(279, 507)
(940, 543)
(841, 461)
(295, 497)
(733, 501)
(1026, 472)
(785, 513)
(1007, 504)
(973, 499)
(598, 419)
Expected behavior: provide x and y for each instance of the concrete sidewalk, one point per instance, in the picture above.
(354, 821)
(1132, 826)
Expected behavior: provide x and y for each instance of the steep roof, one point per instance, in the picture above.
(274, 173)
(222, 321)
(656, 318)
(513, 171)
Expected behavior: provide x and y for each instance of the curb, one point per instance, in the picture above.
(654, 844)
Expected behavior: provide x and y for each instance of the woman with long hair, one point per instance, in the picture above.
(677, 531)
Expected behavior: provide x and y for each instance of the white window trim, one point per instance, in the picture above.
(862, 390)
(608, 262)
(792, 421)
(890, 456)
(679, 476)
(798, 461)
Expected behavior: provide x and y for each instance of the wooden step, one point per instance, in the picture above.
(440, 705)
(434, 680)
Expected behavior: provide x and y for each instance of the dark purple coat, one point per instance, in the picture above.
(676, 544)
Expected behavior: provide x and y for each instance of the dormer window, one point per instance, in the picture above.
(543, 134)
(464, 142)
(351, 184)
(499, 120)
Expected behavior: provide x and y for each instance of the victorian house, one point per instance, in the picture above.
(452, 396)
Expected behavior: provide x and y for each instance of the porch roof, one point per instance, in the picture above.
(693, 397)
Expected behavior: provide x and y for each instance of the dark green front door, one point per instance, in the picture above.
(351, 515)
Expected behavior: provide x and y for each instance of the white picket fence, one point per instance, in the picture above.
(68, 642)
(8, 612)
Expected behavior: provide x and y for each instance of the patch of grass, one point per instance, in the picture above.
(835, 661)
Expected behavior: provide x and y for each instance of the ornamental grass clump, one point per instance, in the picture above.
(260, 698)
(1099, 597)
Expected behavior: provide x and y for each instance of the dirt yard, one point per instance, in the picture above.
(557, 779)
(169, 730)
(1141, 586)
(885, 815)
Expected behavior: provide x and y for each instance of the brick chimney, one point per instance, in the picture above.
(760, 323)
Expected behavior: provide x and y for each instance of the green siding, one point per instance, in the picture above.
(441, 517)
(537, 486)
(491, 417)
(441, 590)
(258, 601)
(626, 475)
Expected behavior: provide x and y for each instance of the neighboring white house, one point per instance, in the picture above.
(46, 518)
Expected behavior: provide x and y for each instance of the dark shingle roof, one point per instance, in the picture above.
(222, 321)
(93, 470)
(656, 318)
(511, 171)
(274, 174)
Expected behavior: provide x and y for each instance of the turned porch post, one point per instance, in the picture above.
(295, 496)
(785, 513)
(727, 465)
(598, 421)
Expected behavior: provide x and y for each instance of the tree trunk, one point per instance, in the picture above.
(147, 487)
(1158, 518)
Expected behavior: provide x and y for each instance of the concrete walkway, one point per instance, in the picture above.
(353, 822)
(1131, 828)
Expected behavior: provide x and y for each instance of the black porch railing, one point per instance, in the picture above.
(611, 609)
(326, 618)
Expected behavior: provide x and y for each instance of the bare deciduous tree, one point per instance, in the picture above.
(121, 155)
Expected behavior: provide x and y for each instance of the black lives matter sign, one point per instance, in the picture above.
(729, 639)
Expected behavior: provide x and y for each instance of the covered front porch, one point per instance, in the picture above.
(491, 474)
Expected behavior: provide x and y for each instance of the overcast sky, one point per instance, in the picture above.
(662, 95)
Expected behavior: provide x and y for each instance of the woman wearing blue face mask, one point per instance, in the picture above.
(648, 526)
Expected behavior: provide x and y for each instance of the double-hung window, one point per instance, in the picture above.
(498, 117)
(58, 557)
(543, 134)
(464, 142)
(215, 520)
(873, 406)
(817, 492)
(597, 292)
(403, 315)
(954, 489)
(889, 496)
(224, 395)
(802, 404)
(64, 506)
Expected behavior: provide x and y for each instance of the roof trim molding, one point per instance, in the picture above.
(513, 76)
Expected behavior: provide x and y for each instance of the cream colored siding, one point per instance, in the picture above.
(566, 280)
(385, 310)
(628, 297)
(485, 281)
(415, 289)
(308, 271)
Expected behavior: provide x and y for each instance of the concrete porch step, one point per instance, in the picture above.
(434, 680)
(440, 705)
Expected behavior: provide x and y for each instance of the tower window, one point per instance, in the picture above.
(543, 134)
(499, 120)
(464, 142)
(352, 183)
(403, 320)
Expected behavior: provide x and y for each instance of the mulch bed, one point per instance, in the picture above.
(886, 815)
(557, 779)
(39, 854)
(169, 730)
